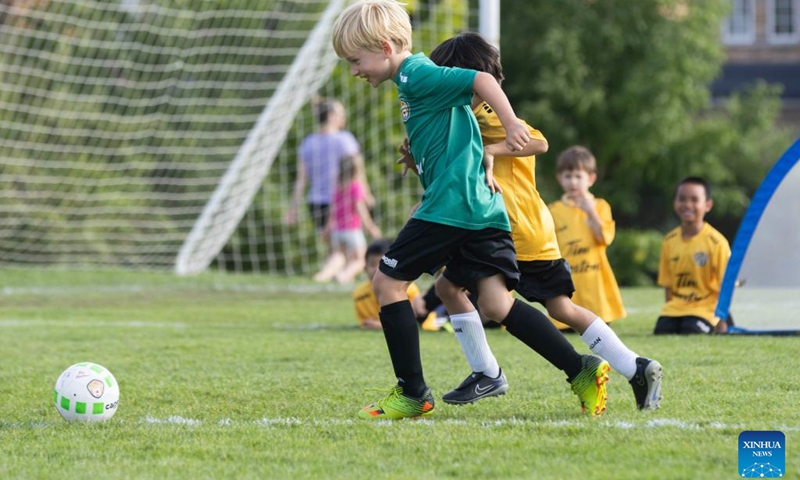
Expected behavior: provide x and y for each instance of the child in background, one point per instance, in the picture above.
(693, 261)
(349, 216)
(585, 229)
(366, 305)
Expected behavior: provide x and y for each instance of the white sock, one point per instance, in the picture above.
(605, 343)
(469, 332)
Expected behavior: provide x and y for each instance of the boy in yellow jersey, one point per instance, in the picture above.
(585, 228)
(693, 261)
(366, 305)
(545, 276)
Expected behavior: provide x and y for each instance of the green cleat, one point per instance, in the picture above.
(590, 385)
(396, 405)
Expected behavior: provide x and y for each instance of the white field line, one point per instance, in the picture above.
(20, 323)
(280, 422)
(13, 323)
(513, 421)
(133, 288)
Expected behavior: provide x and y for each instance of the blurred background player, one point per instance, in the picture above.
(349, 217)
(366, 305)
(585, 229)
(694, 256)
(545, 276)
(318, 161)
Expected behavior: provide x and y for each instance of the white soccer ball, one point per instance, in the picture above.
(86, 392)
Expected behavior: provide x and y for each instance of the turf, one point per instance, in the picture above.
(260, 377)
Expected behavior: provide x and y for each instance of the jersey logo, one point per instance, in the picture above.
(405, 110)
(700, 259)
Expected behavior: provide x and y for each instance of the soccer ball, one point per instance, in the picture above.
(86, 392)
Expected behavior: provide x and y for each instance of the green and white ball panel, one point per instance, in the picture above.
(86, 392)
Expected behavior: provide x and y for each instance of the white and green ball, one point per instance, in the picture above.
(86, 392)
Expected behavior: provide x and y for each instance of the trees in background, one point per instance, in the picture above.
(631, 81)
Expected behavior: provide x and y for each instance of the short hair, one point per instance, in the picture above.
(695, 181)
(324, 107)
(378, 247)
(469, 50)
(365, 24)
(576, 157)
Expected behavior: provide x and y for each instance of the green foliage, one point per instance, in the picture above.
(634, 257)
(630, 80)
(238, 376)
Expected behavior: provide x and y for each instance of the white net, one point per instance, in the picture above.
(141, 133)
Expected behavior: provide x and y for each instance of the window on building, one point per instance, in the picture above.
(783, 17)
(740, 27)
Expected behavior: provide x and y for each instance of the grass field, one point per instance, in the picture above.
(259, 377)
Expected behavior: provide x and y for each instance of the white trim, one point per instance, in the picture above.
(745, 38)
(783, 38)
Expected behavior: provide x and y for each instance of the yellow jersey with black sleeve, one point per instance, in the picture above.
(692, 269)
(366, 304)
(531, 224)
(596, 287)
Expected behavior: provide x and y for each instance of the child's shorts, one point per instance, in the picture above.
(348, 240)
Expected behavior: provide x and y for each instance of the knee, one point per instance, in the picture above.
(446, 289)
(497, 308)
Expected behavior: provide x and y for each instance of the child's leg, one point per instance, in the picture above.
(468, 328)
(354, 264)
(333, 264)
(400, 330)
(598, 336)
(527, 324)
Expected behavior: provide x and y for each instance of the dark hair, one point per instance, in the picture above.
(378, 247)
(576, 157)
(469, 50)
(347, 169)
(324, 107)
(695, 181)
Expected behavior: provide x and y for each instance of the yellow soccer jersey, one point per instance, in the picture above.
(367, 305)
(596, 287)
(531, 224)
(693, 270)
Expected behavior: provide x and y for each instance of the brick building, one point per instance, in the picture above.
(762, 41)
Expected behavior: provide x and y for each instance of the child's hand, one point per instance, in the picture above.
(406, 160)
(488, 166)
(585, 202)
(517, 136)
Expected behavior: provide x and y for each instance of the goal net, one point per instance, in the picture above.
(147, 134)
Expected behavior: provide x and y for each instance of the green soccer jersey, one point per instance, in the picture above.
(446, 144)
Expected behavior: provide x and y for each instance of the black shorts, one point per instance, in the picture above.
(469, 255)
(542, 280)
(319, 213)
(685, 325)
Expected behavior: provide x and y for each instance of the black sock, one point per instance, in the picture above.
(402, 338)
(534, 330)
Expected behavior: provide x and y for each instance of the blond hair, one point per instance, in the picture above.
(367, 23)
(576, 158)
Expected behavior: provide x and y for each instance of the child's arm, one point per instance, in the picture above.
(517, 135)
(588, 205)
(358, 163)
(297, 194)
(366, 220)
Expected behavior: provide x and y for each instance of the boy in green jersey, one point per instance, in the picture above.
(460, 221)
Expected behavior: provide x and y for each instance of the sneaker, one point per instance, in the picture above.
(590, 384)
(397, 405)
(646, 384)
(475, 387)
